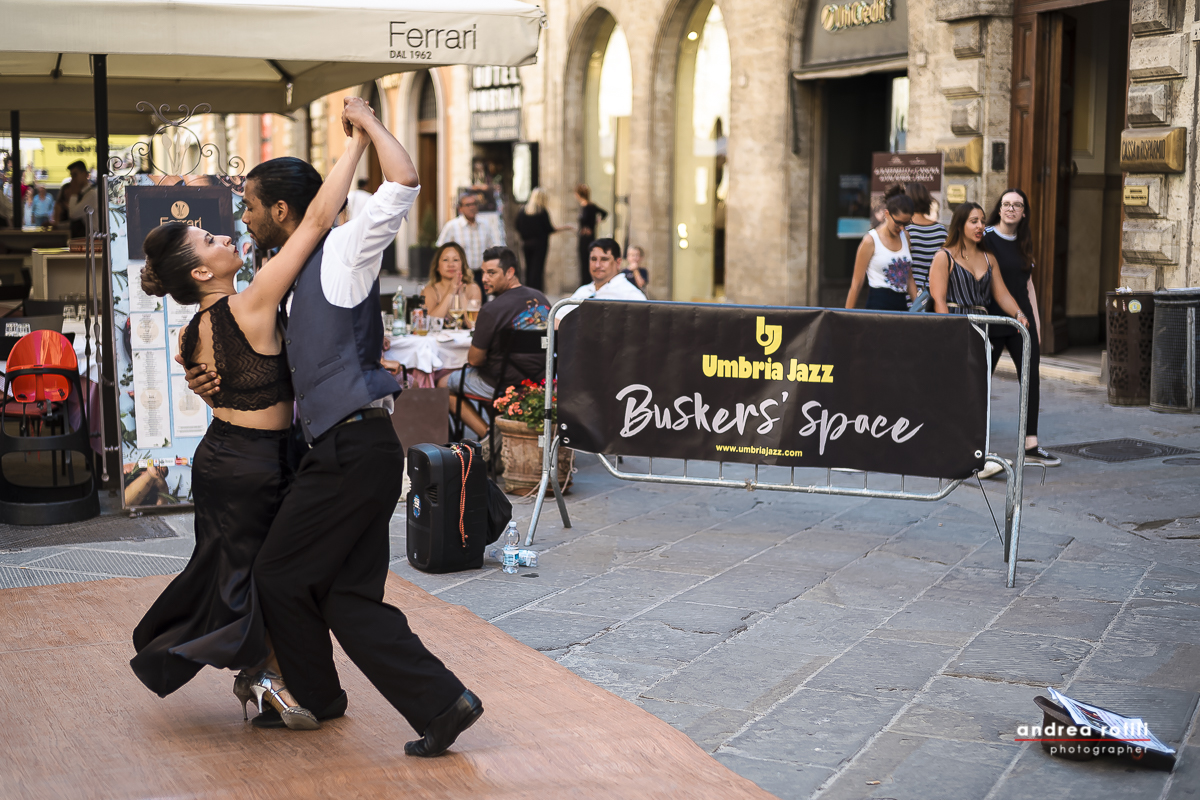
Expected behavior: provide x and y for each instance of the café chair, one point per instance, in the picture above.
(509, 342)
(42, 376)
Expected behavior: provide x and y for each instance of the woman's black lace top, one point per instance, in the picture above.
(250, 381)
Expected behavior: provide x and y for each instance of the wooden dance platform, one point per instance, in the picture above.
(78, 724)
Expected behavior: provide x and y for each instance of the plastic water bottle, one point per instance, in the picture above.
(512, 539)
(399, 328)
(527, 558)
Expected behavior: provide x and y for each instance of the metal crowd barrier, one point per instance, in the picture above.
(1014, 484)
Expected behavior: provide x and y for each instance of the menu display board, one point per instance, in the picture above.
(161, 422)
(888, 169)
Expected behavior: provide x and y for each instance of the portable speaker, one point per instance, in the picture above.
(447, 516)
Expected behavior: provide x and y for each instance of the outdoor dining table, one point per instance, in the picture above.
(425, 355)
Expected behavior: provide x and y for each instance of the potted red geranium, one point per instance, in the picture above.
(521, 420)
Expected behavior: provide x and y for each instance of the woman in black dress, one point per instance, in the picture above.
(535, 227)
(1008, 236)
(588, 212)
(209, 613)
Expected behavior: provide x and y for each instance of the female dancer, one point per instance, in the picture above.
(1008, 237)
(209, 612)
(446, 282)
(884, 260)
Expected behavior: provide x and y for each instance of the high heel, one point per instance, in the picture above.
(270, 685)
(242, 690)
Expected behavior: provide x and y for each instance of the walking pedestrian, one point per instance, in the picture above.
(535, 227)
(961, 280)
(925, 234)
(884, 260)
(588, 212)
(1009, 238)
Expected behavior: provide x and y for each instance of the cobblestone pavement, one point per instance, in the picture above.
(840, 648)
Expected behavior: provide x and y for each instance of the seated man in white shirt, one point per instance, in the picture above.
(604, 262)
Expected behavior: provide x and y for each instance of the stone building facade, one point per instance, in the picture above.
(727, 139)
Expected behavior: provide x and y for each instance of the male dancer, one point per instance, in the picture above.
(323, 565)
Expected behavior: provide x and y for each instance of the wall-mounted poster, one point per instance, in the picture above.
(160, 421)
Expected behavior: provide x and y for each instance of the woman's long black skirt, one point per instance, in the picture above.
(210, 614)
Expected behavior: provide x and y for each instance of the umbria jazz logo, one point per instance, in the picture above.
(769, 338)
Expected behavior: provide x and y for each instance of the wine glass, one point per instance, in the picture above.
(456, 310)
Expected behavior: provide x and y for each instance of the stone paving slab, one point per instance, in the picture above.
(1021, 657)
(909, 767)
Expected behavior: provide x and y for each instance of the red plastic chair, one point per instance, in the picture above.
(43, 371)
(41, 349)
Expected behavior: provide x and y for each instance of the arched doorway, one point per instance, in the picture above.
(702, 88)
(608, 106)
(427, 159)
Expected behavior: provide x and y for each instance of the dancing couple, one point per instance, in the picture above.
(285, 556)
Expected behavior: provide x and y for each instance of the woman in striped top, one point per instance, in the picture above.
(961, 279)
(925, 234)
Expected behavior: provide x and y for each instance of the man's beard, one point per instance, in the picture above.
(269, 235)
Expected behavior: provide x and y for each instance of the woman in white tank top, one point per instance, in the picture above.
(884, 260)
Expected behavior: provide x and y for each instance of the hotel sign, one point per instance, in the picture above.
(836, 17)
(1153, 149)
(495, 104)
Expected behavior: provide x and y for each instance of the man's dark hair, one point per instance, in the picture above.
(290, 179)
(77, 165)
(609, 246)
(362, 183)
(506, 257)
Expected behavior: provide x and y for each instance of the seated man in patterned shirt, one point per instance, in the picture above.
(515, 307)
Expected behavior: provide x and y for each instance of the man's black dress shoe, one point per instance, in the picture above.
(446, 727)
(270, 718)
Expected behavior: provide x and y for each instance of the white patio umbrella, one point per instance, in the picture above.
(255, 56)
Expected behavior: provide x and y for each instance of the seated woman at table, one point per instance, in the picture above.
(209, 614)
(446, 282)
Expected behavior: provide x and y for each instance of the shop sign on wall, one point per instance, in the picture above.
(835, 17)
(495, 104)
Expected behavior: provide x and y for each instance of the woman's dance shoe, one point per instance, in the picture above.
(270, 685)
(243, 691)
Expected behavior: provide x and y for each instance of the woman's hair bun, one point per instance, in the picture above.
(169, 264)
(893, 191)
(150, 283)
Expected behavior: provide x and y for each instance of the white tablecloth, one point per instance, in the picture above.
(445, 350)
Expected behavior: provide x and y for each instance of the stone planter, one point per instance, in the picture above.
(523, 458)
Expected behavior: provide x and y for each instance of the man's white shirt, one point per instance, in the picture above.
(353, 253)
(354, 202)
(619, 288)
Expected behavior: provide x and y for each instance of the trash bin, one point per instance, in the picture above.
(1173, 373)
(1130, 347)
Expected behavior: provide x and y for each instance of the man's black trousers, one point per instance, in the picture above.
(323, 568)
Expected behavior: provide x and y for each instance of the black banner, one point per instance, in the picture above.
(794, 387)
(201, 206)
